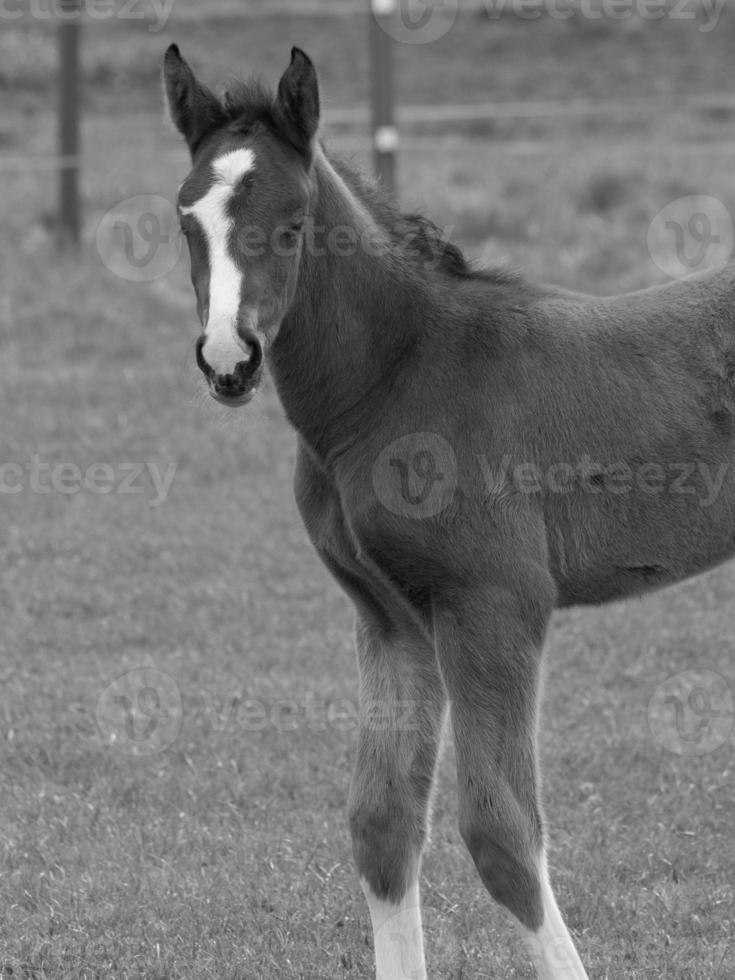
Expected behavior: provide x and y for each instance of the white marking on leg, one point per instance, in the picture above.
(551, 947)
(397, 934)
(222, 349)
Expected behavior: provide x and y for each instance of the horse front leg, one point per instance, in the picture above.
(402, 710)
(489, 651)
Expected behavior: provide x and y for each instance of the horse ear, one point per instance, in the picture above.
(194, 109)
(296, 109)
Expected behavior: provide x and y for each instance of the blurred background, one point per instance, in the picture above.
(176, 671)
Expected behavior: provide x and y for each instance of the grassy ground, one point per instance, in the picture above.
(226, 854)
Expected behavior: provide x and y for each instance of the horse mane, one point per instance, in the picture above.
(414, 236)
(248, 102)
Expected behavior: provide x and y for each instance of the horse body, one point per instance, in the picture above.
(474, 451)
(607, 421)
(511, 376)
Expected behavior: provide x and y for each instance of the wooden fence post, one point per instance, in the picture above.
(382, 88)
(69, 220)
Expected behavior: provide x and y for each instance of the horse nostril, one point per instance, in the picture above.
(243, 372)
(203, 366)
(251, 344)
(255, 352)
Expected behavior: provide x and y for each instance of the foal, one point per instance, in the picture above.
(419, 389)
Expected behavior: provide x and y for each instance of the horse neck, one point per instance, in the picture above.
(356, 315)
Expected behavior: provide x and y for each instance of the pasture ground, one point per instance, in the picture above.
(227, 855)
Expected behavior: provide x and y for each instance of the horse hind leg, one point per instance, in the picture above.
(489, 655)
(402, 710)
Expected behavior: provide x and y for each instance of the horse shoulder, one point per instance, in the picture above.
(329, 528)
(319, 505)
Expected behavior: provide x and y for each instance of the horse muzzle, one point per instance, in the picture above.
(236, 384)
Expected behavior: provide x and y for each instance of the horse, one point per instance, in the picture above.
(474, 451)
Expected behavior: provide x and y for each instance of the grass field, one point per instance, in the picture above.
(226, 854)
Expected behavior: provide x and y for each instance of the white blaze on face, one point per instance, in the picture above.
(222, 349)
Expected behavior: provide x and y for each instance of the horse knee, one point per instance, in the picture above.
(387, 837)
(506, 855)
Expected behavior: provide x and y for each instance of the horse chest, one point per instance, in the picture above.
(343, 549)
